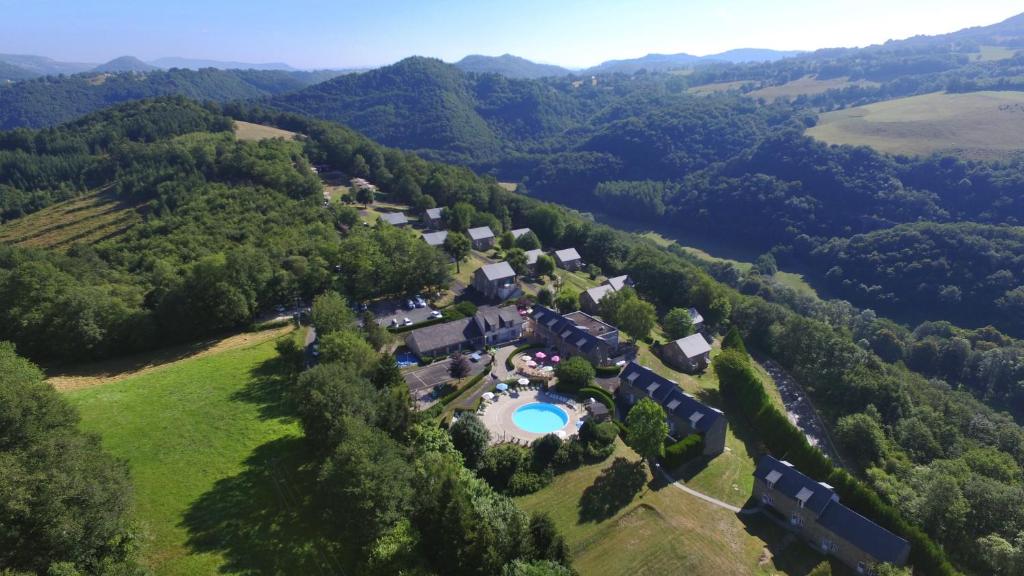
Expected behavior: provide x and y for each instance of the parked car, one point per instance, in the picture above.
(394, 322)
(475, 356)
(421, 303)
(410, 304)
(435, 314)
(407, 322)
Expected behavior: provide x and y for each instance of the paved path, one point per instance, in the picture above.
(500, 356)
(708, 499)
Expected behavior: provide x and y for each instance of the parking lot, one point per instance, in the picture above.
(423, 381)
(385, 312)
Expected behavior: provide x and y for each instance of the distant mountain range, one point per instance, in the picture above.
(14, 67)
(197, 63)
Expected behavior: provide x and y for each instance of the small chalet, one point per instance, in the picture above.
(686, 415)
(568, 259)
(812, 511)
(590, 299)
(436, 239)
(520, 232)
(689, 354)
(696, 319)
(482, 237)
(496, 281)
(575, 334)
(432, 218)
(394, 218)
(531, 260)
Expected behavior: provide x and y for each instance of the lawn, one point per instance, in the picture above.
(808, 85)
(220, 472)
(663, 530)
(977, 125)
(255, 132)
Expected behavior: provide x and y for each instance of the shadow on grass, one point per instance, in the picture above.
(265, 519)
(268, 387)
(612, 490)
(790, 554)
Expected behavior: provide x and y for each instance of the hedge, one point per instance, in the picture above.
(424, 324)
(683, 451)
(743, 392)
(607, 371)
(517, 352)
(598, 394)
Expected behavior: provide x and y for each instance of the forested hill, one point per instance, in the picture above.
(51, 100)
(509, 65)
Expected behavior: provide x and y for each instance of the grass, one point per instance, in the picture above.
(254, 132)
(663, 530)
(977, 125)
(87, 220)
(990, 53)
(808, 85)
(705, 89)
(221, 476)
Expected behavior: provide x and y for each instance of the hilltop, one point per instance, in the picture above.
(125, 64)
(510, 66)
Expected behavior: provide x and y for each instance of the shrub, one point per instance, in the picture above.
(527, 482)
(598, 394)
(683, 451)
(574, 374)
(544, 450)
(607, 371)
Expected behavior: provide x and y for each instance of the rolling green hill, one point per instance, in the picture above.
(509, 65)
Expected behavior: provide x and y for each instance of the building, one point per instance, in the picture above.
(496, 281)
(689, 354)
(482, 237)
(360, 184)
(575, 334)
(598, 412)
(436, 239)
(519, 232)
(812, 510)
(568, 259)
(394, 218)
(432, 218)
(685, 414)
(531, 260)
(490, 326)
(696, 319)
(590, 299)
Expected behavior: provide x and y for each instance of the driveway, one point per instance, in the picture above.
(385, 311)
(424, 380)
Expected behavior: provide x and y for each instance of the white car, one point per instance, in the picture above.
(435, 314)
(407, 322)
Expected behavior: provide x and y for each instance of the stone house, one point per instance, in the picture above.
(490, 326)
(496, 281)
(482, 237)
(689, 354)
(575, 334)
(568, 259)
(432, 218)
(590, 299)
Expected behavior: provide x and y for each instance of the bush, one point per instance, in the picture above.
(574, 374)
(598, 394)
(683, 451)
(544, 450)
(607, 371)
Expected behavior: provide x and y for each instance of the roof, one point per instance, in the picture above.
(599, 292)
(859, 531)
(497, 271)
(619, 282)
(695, 317)
(481, 233)
(532, 255)
(394, 218)
(444, 335)
(791, 482)
(435, 238)
(568, 330)
(519, 232)
(433, 213)
(493, 317)
(567, 255)
(693, 345)
(671, 397)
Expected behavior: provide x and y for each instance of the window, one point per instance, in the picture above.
(796, 519)
(771, 484)
(767, 499)
(862, 568)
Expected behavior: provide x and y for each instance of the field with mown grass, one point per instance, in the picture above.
(221, 479)
(84, 220)
(254, 132)
(807, 86)
(977, 125)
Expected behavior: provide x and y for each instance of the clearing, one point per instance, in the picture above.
(86, 220)
(990, 53)
(665, 530)
(807, 86)
(254, 132)
(976, 125)
(715, 87)
(221, 474)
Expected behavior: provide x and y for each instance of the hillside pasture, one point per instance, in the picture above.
(807, 86)
(714, 88)
(254, 132)
(976, 125)
(86, 220)
(991, 53)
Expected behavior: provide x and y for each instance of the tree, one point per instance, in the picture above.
(387, 374)
(637, 318)
(470, 437)
(822, 569)
(507, 241)
(376, 335)
(733, 341)
(457, 245)
(331, 314)
(611, 303)
(545, 266)
(862, 439)
(359, 166)
(548, 222)
(528, 241)
(348, 347)
(567, 300)
(535, 568)
(646, 428)
(677, 323)
(545, 297)
(324, 395)
(765, 265)
(574, 373)
(459, 217)
(365, 195)
(459, 366)
(516, 258)
(548, 544)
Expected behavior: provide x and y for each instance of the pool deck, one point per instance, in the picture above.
(498, 416)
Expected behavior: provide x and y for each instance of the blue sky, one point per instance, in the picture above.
(343, 33)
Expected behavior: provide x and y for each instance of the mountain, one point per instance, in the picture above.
(741, 55)
(125, 64)
(509, 66)
(1008, 33)
(197, 63)
(43, 66)
(12, 73)
(651, 62)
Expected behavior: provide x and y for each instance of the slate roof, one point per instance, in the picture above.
(532, 255)
(695, 317)
(444, 335)
(519, 232)
(880, 543)
(497, 271)
(433, 213)
(567, 255)
(599, 292)
(435, 238)
(671, 397)
(693, 345)
(481, 233)
(394, 218)
(618, 283)
(494, 317)
(567, 330)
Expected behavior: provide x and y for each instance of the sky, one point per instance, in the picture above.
(573, 33)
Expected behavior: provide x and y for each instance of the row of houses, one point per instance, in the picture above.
(490, 326)
(575, 334)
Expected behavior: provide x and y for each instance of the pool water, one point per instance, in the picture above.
(404, 359)
(540, 417)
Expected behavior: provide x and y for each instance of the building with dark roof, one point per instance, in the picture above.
(575, 334)
(496, 281)
(685, 414)
(490, 326)
(482, 237)
(812, 510)
(689, 354)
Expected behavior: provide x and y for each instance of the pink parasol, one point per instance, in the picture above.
(556, 359)
(540, 355)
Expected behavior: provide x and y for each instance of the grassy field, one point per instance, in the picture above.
(85, 220)
(990, 53)
(220, 473)
(663, 530)
(716, 87)
(808, 85)
(979, 125)
(253, 132)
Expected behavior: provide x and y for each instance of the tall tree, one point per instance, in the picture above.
(677, 323)
(637, 317)
(331, 314)
(457, 245)
(470, 437)
(647, 428)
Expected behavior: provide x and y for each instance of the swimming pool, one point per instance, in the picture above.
(540, 417)
(404, 359)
